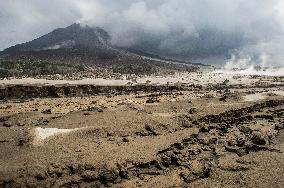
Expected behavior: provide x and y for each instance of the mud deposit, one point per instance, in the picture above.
(186, 135)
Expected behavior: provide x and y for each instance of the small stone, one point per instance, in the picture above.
(186, 124)
(110, 133)
(111, 139)
(192, 111)
(6, 124)
(241, 140)
(125, 139)
(89, 175)
(48, 111)
(20, 124)
(108, 175)
(279, 127)
(258, 138)
(95, 109)
(204, 129)
(78, 150)
(245, 129)
(152, 100)
(40, 175)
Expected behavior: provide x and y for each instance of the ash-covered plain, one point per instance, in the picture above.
(76, 111)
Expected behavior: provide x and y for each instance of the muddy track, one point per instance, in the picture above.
(193, 158)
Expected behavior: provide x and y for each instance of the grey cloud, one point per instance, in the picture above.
(178, 28)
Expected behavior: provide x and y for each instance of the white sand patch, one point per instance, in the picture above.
(32, 81)
(44, 133)
(201, 78)
(280, 92)
(276, 72)
(254, 97)
(261, 96)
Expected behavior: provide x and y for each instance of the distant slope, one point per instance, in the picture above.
(79, 45)
(73, 44)
(156, 57)
(73, 36)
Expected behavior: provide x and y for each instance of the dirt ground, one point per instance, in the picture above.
(229, 136)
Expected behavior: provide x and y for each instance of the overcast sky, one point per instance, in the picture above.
(250, 28)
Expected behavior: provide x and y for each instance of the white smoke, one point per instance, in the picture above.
(247, 66)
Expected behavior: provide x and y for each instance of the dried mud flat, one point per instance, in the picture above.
(197, 134)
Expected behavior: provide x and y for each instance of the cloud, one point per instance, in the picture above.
(177, 28)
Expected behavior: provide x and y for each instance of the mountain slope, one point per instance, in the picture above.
(73, 36)
(73, 44)
(79, 45)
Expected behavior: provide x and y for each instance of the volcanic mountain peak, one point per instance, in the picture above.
(73, 36)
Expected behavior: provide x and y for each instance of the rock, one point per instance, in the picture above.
(232, 141)
(265, 116)
(48, 111)
(237, 150)
(39, 173)
(78, 150)
(55, 170)
(151, 130)
(152, 100)
(241, 140)
(5, 124)
(204, 129)
(245, 129)
(279, 127)
(110, 133)
(5, 118)
(40, 176)
(42, 122)
(192, 111)
(206, 139)
(108, 175)
(10, 183)
(213, 140)
(199, 169)
(166, 160)
(224, 98)
(90, 167)
(20, 124)
(89, 176)
(258, 138)
(186, 124)
(95, 109)
(125, 139)
(224, 128)
(22, 142)
(76, 168)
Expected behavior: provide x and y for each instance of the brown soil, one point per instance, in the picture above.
(198, 137)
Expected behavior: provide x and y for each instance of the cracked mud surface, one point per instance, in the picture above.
(203, 137)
